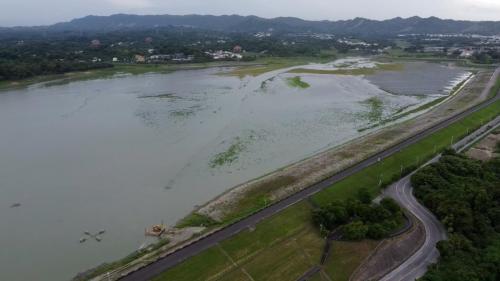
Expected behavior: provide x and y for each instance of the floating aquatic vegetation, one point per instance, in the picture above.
(296, 82)
(375, 109)
(182, 113)
(230, 155)
(172, 96)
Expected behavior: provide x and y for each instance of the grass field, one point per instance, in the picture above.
(282, 247)
(346, 257)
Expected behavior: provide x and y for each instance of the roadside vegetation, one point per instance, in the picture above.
(108, 267)
(359, 218)
(465, 195)
(195, 219)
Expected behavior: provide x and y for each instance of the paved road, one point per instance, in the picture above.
(416, 265)
(154, 269)
(402, 191)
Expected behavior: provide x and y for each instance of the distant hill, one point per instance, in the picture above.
(235, 23)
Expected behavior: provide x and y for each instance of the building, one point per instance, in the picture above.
(223, 55)
(159, 58)
(432, 49)
(139, 59)
(178, 57)
(467, 53)
(237, 49)
(95, 44)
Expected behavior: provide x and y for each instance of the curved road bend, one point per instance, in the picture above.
(150, 271)
(402, 191)
(417, 264)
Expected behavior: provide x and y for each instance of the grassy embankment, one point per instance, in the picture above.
(275, 63)
(267, 249)
(353, 71)
(107, 267)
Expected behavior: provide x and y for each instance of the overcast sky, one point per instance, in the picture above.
(41, 12)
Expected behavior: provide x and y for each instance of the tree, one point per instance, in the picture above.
(365, 196)
(390, 205)
(376, 231)
(356, 230)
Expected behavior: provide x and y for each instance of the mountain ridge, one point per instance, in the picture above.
(251, 24)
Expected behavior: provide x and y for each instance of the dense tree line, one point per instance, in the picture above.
(14, 70)
(27, 54)
(465, 195)
(360, 218)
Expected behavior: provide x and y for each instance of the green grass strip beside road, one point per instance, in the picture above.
(388, 170)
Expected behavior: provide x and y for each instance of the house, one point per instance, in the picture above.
(115, 59)
(177, 57)
(467, 53)
(223, 55)
(237, 49)
(159, 58)
(95, 43)
(433, 49)
(139, 59)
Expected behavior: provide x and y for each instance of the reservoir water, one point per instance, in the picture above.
(126, 152)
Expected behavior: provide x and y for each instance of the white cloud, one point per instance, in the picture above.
(485, 3)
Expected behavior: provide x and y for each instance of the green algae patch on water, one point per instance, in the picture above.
(376, 109)
(230, 155)
(296, 82)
